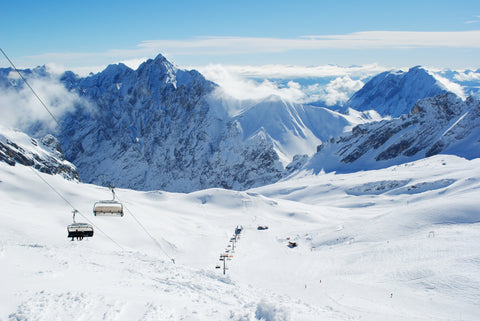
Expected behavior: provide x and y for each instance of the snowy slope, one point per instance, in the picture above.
(294, 128)
(399, 243)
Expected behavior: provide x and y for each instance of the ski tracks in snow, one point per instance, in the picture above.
(108, 285)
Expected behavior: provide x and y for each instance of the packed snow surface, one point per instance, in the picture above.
(399, 243)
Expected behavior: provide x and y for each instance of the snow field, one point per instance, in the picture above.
(394, 244)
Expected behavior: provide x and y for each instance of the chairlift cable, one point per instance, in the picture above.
(79, 150)
(73, 207)
(71, 140)
(147, 232)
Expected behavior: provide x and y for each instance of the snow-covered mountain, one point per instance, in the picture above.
(295, 129)
(158, 128)
(393, 93)
(441, 124)
(162, 127)
(45, 155)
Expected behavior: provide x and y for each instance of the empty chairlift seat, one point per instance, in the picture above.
(108, 207)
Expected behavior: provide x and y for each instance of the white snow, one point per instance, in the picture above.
(455, 123)
(399, 243)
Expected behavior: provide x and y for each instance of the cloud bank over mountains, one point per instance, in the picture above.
(329, 84)
(21, 109)
(326, 85)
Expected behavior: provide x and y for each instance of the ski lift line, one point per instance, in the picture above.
(146, 231)
(41, 101)
(70, 204)
(72, 141)
(150, 235)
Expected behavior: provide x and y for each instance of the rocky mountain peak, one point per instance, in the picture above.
(393, 93)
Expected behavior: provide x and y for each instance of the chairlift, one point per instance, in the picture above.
(79, 230)
(217, 267)
(108, 207)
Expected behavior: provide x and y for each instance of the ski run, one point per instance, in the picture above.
(400, 243)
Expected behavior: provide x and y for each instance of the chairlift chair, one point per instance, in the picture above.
(108, 207)
(79, 230)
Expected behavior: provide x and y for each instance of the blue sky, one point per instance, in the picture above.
(84, 35)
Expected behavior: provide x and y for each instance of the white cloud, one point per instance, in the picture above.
(368, 40)
(20, 108)
(339, 90)
(292, 71)
(469, 76)
(235, 82)
(449, 85)
(356, 40)
(242, 88)
(474, 20)
(401, 39)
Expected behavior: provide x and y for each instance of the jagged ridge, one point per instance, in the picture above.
(45, 155)
(155, 128)
(441, 124)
